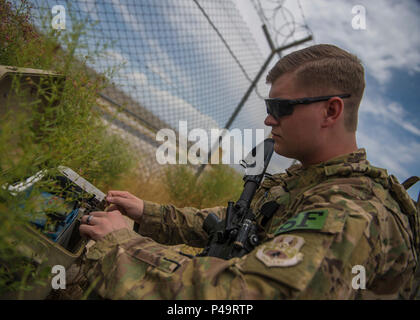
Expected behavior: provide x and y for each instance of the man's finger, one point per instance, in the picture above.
(117, 200)
(93, 217)
(118, 193)
(86, 230)
(98, 213)
(112, 207)
(88, 219)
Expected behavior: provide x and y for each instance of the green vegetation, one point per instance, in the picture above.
(215, 187)
(58, 126)
(61, 126)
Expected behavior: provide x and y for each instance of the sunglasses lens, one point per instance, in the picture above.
(278, 109)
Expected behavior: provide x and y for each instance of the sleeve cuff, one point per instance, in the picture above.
(150, 209)
(151, 220)
(107, 243)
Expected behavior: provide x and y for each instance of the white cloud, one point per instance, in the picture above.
(386, 150)
(411, 127)
(388, 112)
(391, 39)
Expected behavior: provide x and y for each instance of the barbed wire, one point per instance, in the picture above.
(269, 11)
(306, 26)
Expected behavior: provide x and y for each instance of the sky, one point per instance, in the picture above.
(389, 48)
(175, 65)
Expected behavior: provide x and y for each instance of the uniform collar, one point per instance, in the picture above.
(354, 157)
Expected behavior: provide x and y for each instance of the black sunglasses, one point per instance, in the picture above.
(282, 107)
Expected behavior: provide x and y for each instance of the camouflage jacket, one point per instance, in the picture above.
(340, 231)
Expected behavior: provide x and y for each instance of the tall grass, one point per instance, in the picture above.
(215, 187)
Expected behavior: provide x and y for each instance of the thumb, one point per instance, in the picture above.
(117, 200)
(112, 207)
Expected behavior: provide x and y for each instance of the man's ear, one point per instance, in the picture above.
(332, 111)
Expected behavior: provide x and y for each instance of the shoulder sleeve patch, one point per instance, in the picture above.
(283, 251)
(294, 269)
(289, 260)
(306, 220)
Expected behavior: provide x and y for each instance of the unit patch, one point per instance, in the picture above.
(306, 220)
(283, 251)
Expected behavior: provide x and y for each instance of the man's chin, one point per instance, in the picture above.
(279, 149)
(282, 151)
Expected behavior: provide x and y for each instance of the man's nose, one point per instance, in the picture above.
(270, 121)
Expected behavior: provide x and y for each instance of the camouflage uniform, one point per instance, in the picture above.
(329, 218)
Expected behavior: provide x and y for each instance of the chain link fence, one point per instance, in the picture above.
(178, 60)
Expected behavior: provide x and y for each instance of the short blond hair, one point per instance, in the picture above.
(326, 69)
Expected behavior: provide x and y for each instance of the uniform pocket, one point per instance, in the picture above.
(158, 256)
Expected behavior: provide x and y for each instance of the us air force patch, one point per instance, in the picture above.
(283, 251)
(306, 220)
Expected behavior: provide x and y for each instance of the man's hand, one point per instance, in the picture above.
(101, 223)
(126, 203)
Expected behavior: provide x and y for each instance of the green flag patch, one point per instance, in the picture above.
(306, 220)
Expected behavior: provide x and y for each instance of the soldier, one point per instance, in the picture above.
(332, 227)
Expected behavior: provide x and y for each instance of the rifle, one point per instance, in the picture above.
(236, 235)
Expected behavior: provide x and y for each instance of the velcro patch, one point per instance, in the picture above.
(306, 220)
(283, 251)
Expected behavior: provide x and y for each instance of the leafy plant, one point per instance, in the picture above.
(57, 125)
